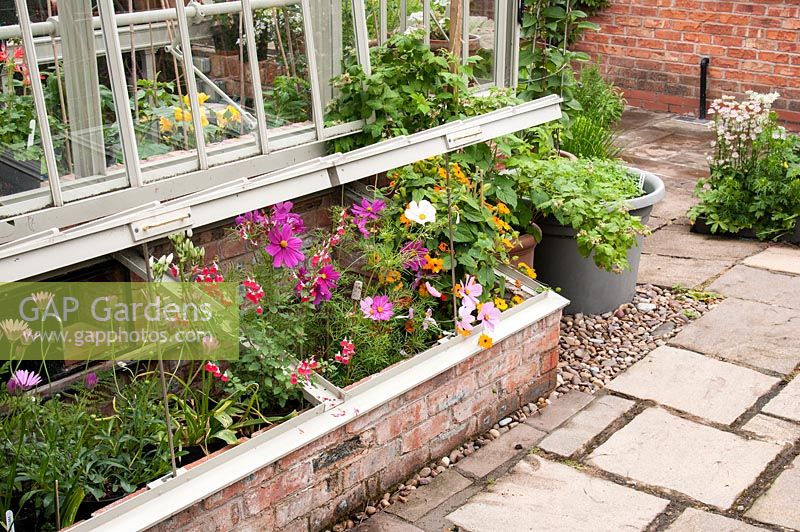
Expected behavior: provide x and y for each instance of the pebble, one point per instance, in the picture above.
(424, 481)
(595, 349)
(505, 421)
(370, 510)
(441, 469)
(494, 433)
(445, 461)
(425, 472)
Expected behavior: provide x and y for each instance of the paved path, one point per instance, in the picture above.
(701, 434)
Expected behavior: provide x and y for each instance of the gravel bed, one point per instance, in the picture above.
(594, 349)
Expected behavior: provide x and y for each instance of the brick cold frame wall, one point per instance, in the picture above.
(337, 474)
(652, 50)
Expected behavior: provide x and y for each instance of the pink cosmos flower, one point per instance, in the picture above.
(428, 321)
(489, 315)
(284, 247)
(22, 380)
(324, 283)
(471, 291)
(432, 291)
(415, 252)
(361, 224)
(368, 209)
(466, 318)
(378, 308)
(282, 215)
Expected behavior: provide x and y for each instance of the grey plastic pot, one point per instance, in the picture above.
(590, 289)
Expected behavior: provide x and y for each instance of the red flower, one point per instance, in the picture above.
(3, 53)
(19, 53)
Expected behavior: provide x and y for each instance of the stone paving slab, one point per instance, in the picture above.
(500, 451)
(787, 402)
(747, 332)
(692, 520)
(539, 495)
(422, 501)
(759, 285)
(663, 450)
(777, 258)
(677, 241)
(386, 522)
(557, 413)
(774, 429)
(573, 435)
(674, 205)
(781, 504)
(666, 271)
(708, 388)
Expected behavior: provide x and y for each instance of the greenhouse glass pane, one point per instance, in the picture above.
(226, 92)
(23, 174)
(282, 53)
(157, 88)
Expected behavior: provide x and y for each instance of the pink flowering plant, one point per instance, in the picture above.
(754, 181)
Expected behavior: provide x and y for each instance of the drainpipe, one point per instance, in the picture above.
(703, 85)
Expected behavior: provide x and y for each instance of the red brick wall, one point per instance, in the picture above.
(335, 475)
(652, 50)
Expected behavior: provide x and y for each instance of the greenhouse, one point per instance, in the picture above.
(411, 265)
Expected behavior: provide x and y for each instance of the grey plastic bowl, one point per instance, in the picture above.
(590, 289)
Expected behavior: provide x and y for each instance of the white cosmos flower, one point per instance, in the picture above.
(422, 212)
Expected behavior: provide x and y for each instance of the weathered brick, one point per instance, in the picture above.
(281, 486)
(421, 434)
(452, 393)
(370, 463)
(399, 421)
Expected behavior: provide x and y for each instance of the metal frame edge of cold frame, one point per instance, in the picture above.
(176, 494)
(54, 248)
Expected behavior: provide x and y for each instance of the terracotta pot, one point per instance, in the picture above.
(524, 249)
(474, 44)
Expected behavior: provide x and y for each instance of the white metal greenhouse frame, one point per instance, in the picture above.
(97, 216)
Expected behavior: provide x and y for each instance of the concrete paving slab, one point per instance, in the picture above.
(774, 429)
(663, 450)
(501, 450)
(386, 522)
(780, 505)
(751, 333)
(638, 137)
(677, 241)
(676, 177)
(573, 435)
(787, 403)
(692, 520)
(634, 117)
(777, 258)
(559, 411)
(422, 501)
(666, 271)
(708, 388)
(674, 205)
(755, 284)
(539, 495)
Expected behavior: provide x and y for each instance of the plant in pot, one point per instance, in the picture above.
(753, 189)
(592, 216)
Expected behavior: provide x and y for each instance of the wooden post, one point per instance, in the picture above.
(456, 27)
(81, 82)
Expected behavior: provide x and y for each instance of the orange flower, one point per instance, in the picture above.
(457, 290)
(462, 332)
(422, 290)
(434, 265)
(443, 247)
(392, 277)
(409, 326)
(485, 341)
(405, 220)
(502, 208)
(502, 225)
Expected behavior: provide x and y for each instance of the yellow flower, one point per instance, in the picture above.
(516, 300)
(392, 277)
(462, 332)
(500, 303)
(502, 208)
(165, 124)
(404, 220)
(502, 225)
(236, 116)
(507, 243)
(203, 117)
(527, 270)
(457, 290)
(182, 115)
(201, 99)
(485, 341)
(442, 172)
(221, 120)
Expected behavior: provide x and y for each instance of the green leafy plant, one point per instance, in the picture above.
(588, 196)
(587, 138)
(754, 183)
(287, 101)
(410, 89)
(601, 102)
